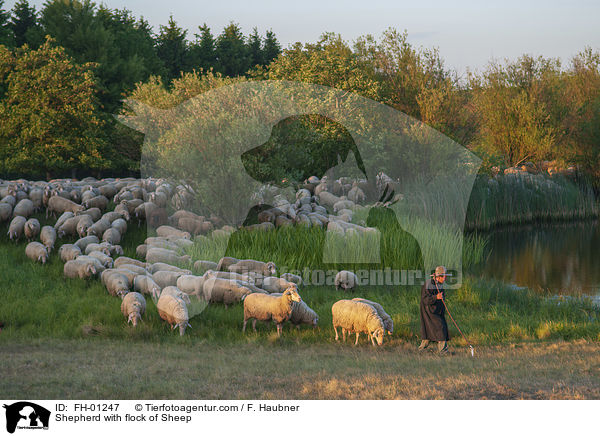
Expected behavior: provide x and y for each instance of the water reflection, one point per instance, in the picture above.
(561, 259)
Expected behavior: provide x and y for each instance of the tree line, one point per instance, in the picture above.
(74, 54)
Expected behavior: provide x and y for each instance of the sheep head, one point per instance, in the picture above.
(271, 269)
(291, 294)
(378, 335)
(133, 318)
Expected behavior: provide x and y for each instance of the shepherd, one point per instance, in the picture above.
(433, 321)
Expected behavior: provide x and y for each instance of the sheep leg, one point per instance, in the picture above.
(244, 327)
(254, 324)
(343, 334)
(372, 340)
(279, 328)
(357, 335)
(337, 337)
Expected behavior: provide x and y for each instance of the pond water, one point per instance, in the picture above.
(559, 259)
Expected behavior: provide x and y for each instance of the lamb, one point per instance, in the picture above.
(31, 229)
(124, 259)
(201, 266)
(117, 284)
(267, 307)
(16, 228)
(388, 323)
(23, 208)
(75, 269)
(174, 311)
(112, 236)
(224, 291)
(155, 255)
(160, 266)
(276, 284)
(176, 292)
(346, 280)
(225, 263)
(166, 278)
(68, 252)
(165, 231)
(357, 317)
(250, 265)
(292, 278)
(106, 261)
(48, 237)
(58, 204)
(301, 313)
(83, 243)
(133, 307)
(36, 252)
(146, 285)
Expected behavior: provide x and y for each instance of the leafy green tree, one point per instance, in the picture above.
(172, 48)
(232, 53)
(49, 117)
(24, 24)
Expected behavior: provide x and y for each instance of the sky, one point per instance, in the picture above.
(468, 33)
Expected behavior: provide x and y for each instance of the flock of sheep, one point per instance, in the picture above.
(80, 209)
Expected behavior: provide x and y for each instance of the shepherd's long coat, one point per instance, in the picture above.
(433, 321)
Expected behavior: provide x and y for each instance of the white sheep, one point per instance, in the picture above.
(99, 227)
(31, 229)
(226, 262)
(84, 223)
(140, 270)
(165, 231)
(292, 278)
(201, 266)
(346, 280)
(91, 247)
(145, 285)
(68, 252)
(124, 259)
(161, 266)
(166, 278)
(120, 224)
(75, 269)
(36, 252)
(357, 317)
(133, 307)
(112, 236)
(16, 228)
(48, 237)
(388, 323)
(82, 243)
(5, 211)
(263, 307)
(174, 311)
(224, 291)
(61, 219)
(113, 250)
(251, 265)
(155, 255)
(106, 261)
(93, 212)
(176, 292)
(277, 284)
(24, 208)
(191, 284)
(58, 204)
(116, 283)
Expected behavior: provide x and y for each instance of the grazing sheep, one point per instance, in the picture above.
(141, 250)
(357, 317)
(116, 283)
(69, 227)
(129, 275)
(356, 194)
(146, 285)
(346, 280)
(112, 236)
(68, 252)
(201, 266)
(23, 208)
(124, 259)
(292, 278)
(115, 215)
(89, 248)
(181, 243)
(250, 265)
(133, 307)
(165, 231)
(174, 311)
(166, 278)
(113, 250)
(191, 284)
(5, 212)
(267, 307)
(161, 243)
(176, 292)
(134, 268)
(48, 237)
(36, 252)
(58, 204)
(301, 313)
(61, 219)
(276, 284)
(99, 201)
(84, 223)
(228, 275)
(224, 291)
(75, 269)
(225, 263)
(31, 229)
(387, 320)
(16, 228)
(92, 261)
(83, 243)
(93, 212)
(160, 266)
(120, 224)
(155, 255)
(99, 227)
(106, 261)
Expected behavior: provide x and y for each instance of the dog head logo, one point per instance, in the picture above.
(26, 415)
(201, 144)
